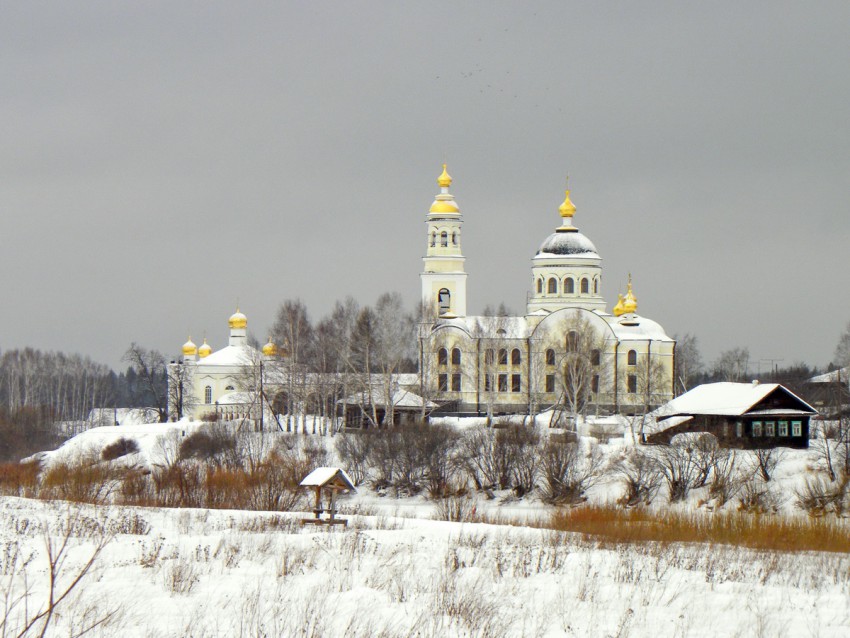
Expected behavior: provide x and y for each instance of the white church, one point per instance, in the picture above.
(567, 350)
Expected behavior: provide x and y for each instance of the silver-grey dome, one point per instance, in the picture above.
(567, 243)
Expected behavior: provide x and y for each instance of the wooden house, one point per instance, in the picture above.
(741, 415)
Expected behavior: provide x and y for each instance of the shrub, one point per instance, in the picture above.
(819, 497)
(642, 478)
(19, 479)
(209, 445)
(677, 466)
(354, 449)
(121, 447)
(756, 497)
(569, 473)
(81, 482)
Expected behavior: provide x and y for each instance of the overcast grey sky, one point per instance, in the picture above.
(162, 161)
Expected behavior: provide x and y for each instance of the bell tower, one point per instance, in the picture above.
(443, 278)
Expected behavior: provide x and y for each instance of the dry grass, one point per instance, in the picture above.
(781, 533)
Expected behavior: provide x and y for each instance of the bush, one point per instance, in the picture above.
(209, 445)
(819, 497)
(756, 497)
(569, 473)
(81, 482)
(642, 478)
(121, 447)
(19, 479)
(354, 450)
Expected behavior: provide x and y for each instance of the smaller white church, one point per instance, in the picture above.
(567, 350)
(223, 383)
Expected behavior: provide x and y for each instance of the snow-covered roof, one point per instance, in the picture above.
(321, 476)
(633, 326)
(723, 399)
(401, 399)
(831, 377)
(231, 356)
(572, 244)
(489, 327)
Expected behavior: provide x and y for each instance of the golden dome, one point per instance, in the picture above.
(189, 348)
(567, 209)
(238, 320)
(270, 349)
(444, 180)
(444, 207)
(618, 309)
(630, 302)
(205, 350)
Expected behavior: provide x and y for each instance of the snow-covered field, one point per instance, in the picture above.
(225, 573)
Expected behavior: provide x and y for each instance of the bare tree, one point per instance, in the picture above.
(293, 331)
(181, 395)
(732, 365)
(150, 367)
(688, 362)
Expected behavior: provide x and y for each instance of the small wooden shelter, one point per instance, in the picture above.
(327, 482)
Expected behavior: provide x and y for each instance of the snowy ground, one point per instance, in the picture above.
(222, 573)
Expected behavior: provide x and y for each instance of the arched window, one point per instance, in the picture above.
(550, 357)
(503, 357)
(585, 286)
(632, 358)
(572, 341)
(433, 238)
(596, 286)
(454, 238)
(455, 356)
(569, 286)
(442, 357)
(208, 394)
(444, 239)
(516, 357)
(230, 388)
(444, 300)
(539, 286)
(488, 356)
(595, 357)
(553, 286)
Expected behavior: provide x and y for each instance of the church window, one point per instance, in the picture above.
(632, 381)
(595, 357)
(443, 381)
(550, 357)
(455, 356)
(503, 357)
(632, 358)
(516, 357)
(516, 382)
(585, 286)
(444, 300)
(444, 239)
(572, 341)
(488, 356)
(553, 286)
(594, 384)
(442, 356)
(540, 286)
(230, 388)
(488, 383)
(550, 383)
(454, 238)
(569, 286)
(433, 238)
(596, 285)
(208, 394)
(503, 383)
(455, 382)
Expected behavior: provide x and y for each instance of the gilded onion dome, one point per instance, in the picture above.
(205, 350)
(189, 348)
(630, 302)
(444, 180)
(270, 349)
(618, 309)
(444, 202)
(238, 320)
